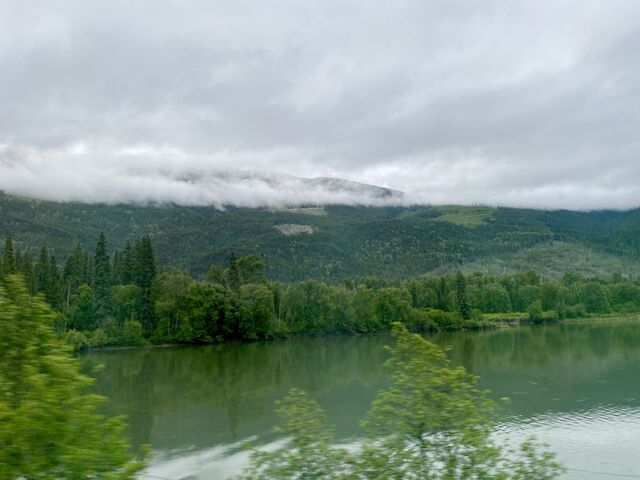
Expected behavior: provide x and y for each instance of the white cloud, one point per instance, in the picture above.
(517, 103)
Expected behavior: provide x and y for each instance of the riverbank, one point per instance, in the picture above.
(488, 322)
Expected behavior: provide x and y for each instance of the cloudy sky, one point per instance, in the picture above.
(452, 101)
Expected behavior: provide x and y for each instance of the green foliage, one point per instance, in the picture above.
(347, 241)
(309, 453)
(462, 300)
(465, 216)
(495, 298)
(77, 340)
(144, 272)
(125, 303)
(8, 264)
(102, 279)
(433, 422)
(594, 297)
(49, 425)
(536, 314)
(81, 312)
(256, 310)
(237, 303)
(131, 333)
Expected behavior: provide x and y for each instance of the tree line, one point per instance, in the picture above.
(120, 297)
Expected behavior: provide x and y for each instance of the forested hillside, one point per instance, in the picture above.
(334, 242)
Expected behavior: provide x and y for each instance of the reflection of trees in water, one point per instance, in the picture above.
(550, 368)
(540, 345)
(228, 391)
(203, 396)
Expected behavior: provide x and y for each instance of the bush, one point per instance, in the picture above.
(99, 339)
(420, 321)
(77, 340)
(535, 312)
(132, 333)
(444, 320)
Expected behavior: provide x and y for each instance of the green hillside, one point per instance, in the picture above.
(337, 241)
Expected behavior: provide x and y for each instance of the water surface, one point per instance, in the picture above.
(573, 386)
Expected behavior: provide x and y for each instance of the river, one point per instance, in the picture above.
(573, 386)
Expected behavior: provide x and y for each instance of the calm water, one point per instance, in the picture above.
(575, 387)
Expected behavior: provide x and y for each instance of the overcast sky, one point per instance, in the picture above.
(526, 103)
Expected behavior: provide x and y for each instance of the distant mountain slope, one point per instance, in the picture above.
(551, 260)
(333, 242)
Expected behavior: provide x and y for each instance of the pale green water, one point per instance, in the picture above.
(574, 386)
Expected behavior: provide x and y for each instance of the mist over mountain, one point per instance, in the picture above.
(146, 184)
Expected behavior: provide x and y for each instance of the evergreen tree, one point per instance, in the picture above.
(41, 272)
(102, 279)
(24, 266)
(74, 273)
(145, 272)
(81, 308)
(118, 268)
(128, 267)
(8, 259)
(462, 300)
(52, 294)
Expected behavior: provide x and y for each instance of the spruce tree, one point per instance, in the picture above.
(74, 273)
(102, 279)
(144, 274)
(118, 268)
(24, 266)
(461, 297)
(8, 259)
(128, 260)
(41, 272)
(52, 293)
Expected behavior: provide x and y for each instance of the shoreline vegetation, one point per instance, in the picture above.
(116, 299)
(495, 324)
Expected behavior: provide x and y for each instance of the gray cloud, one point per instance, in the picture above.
(510, 103)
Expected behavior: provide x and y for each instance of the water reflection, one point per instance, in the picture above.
(201, 397)
(570, 384)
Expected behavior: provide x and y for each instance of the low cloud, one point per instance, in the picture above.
(457, 101)
(73, 178)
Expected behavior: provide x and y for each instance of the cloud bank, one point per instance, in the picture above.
(451, 101)
(75, 179)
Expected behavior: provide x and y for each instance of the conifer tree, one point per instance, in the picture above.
(8, 259)
(128, 260)
(144, 274)
(118, 268)
(74, 273)
(52, 293)
(461, 297)
(41, 272)
(24, 266)
(102, 279)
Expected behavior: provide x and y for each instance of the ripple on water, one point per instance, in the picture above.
(593, 443)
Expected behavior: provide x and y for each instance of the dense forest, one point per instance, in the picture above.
(109, 297)
(333, 242)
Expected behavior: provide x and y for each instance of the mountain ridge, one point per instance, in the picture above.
(333, 241)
